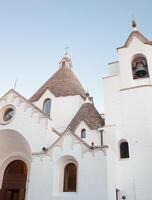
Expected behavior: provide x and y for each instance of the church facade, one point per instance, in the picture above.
(57, 146)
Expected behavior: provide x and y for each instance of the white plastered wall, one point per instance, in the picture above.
(34, 126)
(129, 110)
(91, 135)
(46, 179)
(63, 109)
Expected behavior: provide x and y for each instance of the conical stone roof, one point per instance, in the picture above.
(89, 115)
(62, 83)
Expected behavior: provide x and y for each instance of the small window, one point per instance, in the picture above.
(47, 107)
(83, 133)
(70, 178)
(117, 194)
(7, 114)
(63, 64)
(139, 67)
(124, 150)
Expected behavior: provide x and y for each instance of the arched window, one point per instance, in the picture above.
(139, 67)
(70, 178)
(47, 107)
(83, 133)
(124, 150)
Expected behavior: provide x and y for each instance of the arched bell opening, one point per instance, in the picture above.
(139, 67)
(14, 181)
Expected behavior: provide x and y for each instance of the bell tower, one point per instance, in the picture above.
(128, 124)
(135, 59)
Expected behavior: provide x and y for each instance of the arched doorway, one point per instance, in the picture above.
(14, 181)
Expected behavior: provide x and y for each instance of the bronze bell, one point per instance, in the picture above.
(140, 71)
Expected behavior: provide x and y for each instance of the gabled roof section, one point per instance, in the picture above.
(62, 83)
(26, 101)
(67, 132)
(137, 34)
(62, 135)
(89, 115)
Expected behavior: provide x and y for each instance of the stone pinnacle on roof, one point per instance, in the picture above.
(87, 92)
(137, 34)
(66, 50)
(66, 61)
(134, 25)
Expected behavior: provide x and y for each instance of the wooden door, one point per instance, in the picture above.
(14, 181)
(11, 195)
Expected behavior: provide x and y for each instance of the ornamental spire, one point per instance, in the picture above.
(66, 50)
(134, 24)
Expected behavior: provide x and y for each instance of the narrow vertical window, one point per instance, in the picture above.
(47, 107)
(70, 177)
(63, 64)
(124, 150)
(117, 194)
(83, 133)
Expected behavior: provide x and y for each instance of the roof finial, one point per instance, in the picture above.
(134, 24)
(87, 92)
(15, 82)
(66, 50)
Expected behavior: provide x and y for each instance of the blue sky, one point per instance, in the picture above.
(34, 33)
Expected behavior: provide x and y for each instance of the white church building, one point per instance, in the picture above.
(56, 146)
